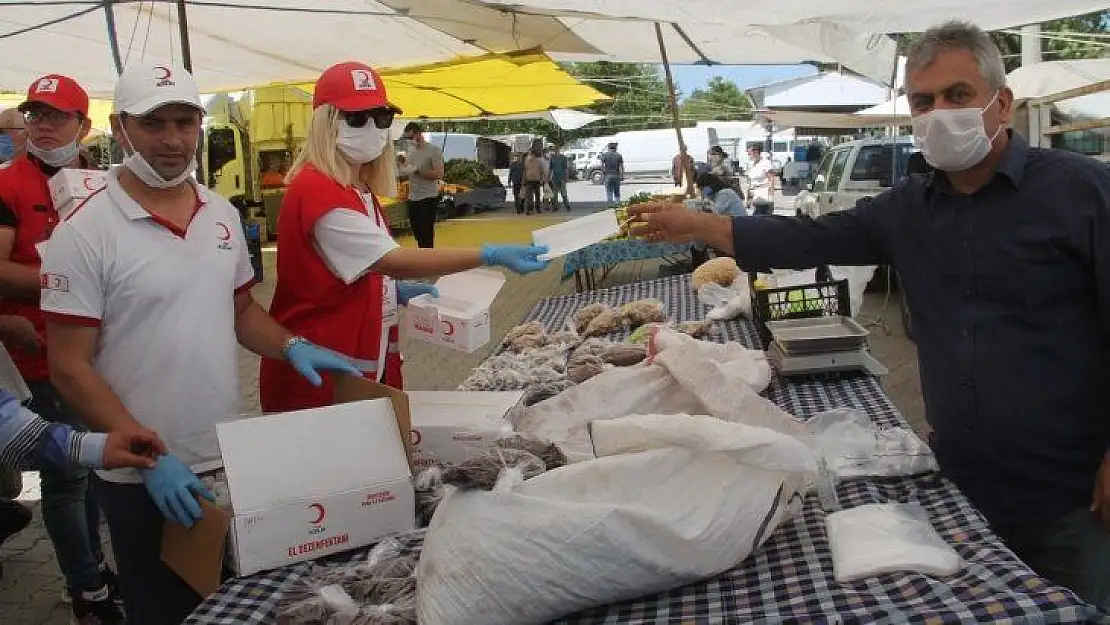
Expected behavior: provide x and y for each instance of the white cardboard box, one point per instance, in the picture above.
(449, 426)
(311, 483)
(459, 317)
(570, 236)
(70, 187)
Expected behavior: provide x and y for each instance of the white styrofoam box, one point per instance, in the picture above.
(311, 483)
(70, 187)
(450, 426)
(569, 236)
(459, 317)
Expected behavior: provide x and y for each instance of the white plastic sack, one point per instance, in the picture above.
(727, 302)
(852, 446)
(670, 500)
(857, 277)
(685, 376)
(875, 539)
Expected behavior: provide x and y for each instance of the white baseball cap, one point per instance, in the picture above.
(143, 87)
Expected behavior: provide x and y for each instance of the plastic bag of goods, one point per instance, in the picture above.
(596, 532)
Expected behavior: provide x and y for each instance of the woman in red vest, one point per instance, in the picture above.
(337, 263)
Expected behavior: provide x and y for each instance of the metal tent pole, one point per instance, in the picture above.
(672, 99)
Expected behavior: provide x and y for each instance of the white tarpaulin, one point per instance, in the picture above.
(1051, 77)
(238, 45)
(567, 119)
(892, 16)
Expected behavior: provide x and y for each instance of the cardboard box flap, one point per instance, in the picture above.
(196, 554)
(291, 456)
(463, 408)
(464, 294)
(570, 236)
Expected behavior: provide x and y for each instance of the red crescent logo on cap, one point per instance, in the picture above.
(225, 234)
(364, 80)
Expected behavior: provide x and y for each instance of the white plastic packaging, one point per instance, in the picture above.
(853, 446)
(874, 539)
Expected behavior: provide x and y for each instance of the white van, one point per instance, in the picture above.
(649, 153)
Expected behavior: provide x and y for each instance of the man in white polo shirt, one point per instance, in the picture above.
(146, 292)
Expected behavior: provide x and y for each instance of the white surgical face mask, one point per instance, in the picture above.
(954, 139)
(361, 145)
(58, 157)
(144, 171)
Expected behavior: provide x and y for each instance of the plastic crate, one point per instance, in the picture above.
(825, 297)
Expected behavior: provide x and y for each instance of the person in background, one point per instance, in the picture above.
(340, 274)
(14, 516)
(426, 167)
(759, 175)
(516, 181)
(725, 202)
(681, 165)
(559, 166)
(56, 112)
(612, 168)
(536, 172)
(272, 177)
(720, 163)
(13, 136)
(1007, 278)
(147, 291)
(813, 153)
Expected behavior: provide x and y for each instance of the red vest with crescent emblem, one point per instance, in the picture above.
(310, 301)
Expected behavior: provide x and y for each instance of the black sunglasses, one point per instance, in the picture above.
(383, 118)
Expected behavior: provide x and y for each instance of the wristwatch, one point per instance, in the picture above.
(290, 343)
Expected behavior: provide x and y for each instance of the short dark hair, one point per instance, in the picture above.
(413, 127)
(713, 181)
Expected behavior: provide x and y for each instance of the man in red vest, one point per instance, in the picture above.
(56, 112)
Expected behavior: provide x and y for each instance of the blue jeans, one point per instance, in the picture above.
(152, 593)
(1073, 552)
(71, 518)
(613, 189)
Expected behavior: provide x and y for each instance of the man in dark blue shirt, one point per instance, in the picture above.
(1003, 251)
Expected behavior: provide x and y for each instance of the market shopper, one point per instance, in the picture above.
(146, 287)
(425, 171)
(536, 172)
(612, 171)
(13, 136)
(337, 264)
(56, 115)
(1001, 252)
(559, 167)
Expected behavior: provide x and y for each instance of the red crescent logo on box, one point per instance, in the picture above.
(320, 513)
(415, 437)
(92, 183)
(224, 234)
(47, 85)
(450, 331)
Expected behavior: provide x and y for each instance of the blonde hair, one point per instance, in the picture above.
(320, 151)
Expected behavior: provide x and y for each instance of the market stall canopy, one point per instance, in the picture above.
(825, 92)
(566, 119)
(595, 31)
(891, 16)
(491, 85)
(1051, 77)
(841, 121)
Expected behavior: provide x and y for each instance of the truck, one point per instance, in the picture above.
(852, 171)
(249, 144)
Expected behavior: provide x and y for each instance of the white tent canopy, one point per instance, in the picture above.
(829, 89)
(891, 16)
(238, 45)
(1051, 77)
(566, 119)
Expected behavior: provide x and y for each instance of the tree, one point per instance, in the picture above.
(721, 99)
(1057, 47)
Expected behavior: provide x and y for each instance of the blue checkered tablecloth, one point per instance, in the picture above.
(608, 253)
(790, 579)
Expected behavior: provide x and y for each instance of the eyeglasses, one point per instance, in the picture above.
(53, 117)
(383, 118)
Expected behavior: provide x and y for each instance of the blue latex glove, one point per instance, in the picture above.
(519, 258)
(408, 290)
(174, 489)
(307, 359)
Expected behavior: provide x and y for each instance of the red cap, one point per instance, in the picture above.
(57, 91)
(351, 87)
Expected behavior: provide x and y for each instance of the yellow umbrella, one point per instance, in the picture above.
(494, 84)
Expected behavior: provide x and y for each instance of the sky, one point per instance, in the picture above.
(690, 77)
